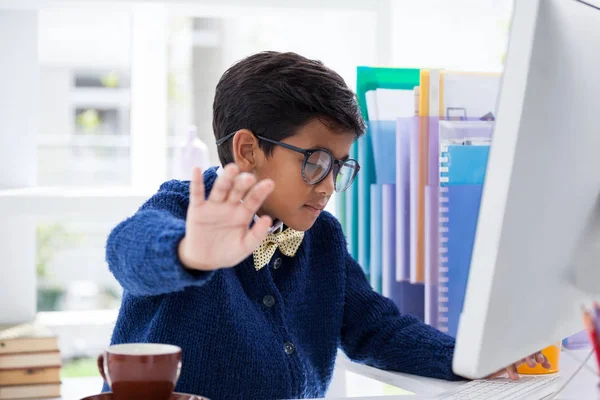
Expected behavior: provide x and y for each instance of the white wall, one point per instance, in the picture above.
(149, 94)
(341, 39)
(19, 113)
(77, 37)
(456, 34)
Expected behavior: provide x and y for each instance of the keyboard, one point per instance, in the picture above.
(526, 388)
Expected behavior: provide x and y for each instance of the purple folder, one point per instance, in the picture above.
(408, 297)
(431, 255)
(414, 186)
(403, 206)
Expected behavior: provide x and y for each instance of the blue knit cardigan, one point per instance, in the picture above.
(267, 334)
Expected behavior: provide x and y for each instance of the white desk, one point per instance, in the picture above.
(412, 383)
(78, 388)
(583, 387)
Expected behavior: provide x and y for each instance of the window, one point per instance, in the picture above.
(85, 64)
(120, 87)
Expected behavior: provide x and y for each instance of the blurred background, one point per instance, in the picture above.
(99, 100)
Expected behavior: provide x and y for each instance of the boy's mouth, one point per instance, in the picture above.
(315, 207)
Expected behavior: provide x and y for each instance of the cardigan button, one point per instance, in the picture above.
(268, 301)
(288, 347)
(277, 263)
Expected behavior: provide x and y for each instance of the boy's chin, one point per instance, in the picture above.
(301, 224)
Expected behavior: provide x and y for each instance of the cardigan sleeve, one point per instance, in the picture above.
(142, 250)
(375, 333)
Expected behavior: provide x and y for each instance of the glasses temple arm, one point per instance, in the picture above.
(225, 138)
(287, 146)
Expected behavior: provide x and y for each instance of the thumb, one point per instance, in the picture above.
(255, 235)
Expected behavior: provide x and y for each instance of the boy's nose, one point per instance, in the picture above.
(327, 185)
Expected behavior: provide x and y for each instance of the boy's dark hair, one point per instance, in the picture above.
(273, 94)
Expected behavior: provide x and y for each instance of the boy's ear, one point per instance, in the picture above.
(245, 150)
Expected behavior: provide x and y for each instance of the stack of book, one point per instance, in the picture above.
(29, 363)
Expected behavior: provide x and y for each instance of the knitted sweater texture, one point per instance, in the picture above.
(267, 334)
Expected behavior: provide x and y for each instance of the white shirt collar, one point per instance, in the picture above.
(277, 226)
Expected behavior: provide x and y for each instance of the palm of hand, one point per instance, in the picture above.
(218, 233)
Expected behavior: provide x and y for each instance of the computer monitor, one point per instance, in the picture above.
(536, 257)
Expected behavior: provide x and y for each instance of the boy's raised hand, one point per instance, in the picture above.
(217, 229)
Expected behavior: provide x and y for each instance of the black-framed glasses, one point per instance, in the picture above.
(317, 165)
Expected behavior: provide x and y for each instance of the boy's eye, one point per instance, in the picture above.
(317, 165)
(314, 168)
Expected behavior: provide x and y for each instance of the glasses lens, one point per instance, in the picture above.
(317, 166)
(346, 175)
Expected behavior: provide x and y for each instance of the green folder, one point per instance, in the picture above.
(355, 203)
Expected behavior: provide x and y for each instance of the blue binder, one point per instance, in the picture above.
(363, 224)
(462, 172)
(376, 238)
(408, 297)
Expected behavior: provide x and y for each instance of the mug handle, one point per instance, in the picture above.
(101, 367)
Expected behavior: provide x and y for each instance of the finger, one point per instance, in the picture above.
(257, 195)
(241, 184)
(257, 233)
(545, 363)
(531, 361)
(223, 184)
(512, 373)
(196, 188)
(497, 374)
(539, 357)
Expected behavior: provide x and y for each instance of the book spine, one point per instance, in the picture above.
(443, 240)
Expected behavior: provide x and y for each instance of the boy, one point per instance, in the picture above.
(244, 270)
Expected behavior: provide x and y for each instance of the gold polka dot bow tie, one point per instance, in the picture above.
(287, 241)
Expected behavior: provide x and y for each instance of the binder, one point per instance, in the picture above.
(358, 215)
(388, 241)
(376, 238)
(463, 164)
(453, 95)
(431, 284)
(383, 107)
(417, 273)
(427, 263)
(361, 222)
(404, 129)
(467, 95)
(351, 211)
(340, 212)
(409, 298)
(414, 165)
(391, 104)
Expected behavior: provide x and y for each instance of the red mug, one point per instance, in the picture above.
(146, 371)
